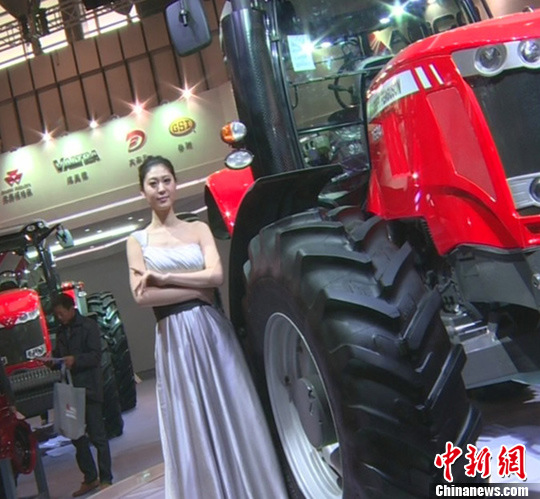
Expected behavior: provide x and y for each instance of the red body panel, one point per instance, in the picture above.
(228, 188)
(14, 304)
(432, 153)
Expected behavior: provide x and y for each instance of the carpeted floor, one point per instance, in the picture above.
(137, 450)
(510, 417)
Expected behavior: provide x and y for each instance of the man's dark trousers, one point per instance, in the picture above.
(95, 433)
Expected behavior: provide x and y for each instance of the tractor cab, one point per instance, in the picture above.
(303, 100)
(329, 54)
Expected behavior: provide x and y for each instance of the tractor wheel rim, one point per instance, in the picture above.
(311, 466)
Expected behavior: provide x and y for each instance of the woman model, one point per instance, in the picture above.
(214, 436)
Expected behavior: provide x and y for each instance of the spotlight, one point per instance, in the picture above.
(187, 93)
(138, 108)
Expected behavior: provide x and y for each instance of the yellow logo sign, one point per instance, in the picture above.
(181, 126)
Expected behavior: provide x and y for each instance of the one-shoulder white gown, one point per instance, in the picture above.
(216, 444)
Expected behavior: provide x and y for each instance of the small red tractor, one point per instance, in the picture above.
(384, 253)
(28, 282)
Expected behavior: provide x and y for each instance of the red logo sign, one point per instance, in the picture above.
(13, 177)
(135, 139)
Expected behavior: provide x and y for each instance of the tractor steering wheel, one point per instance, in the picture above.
(8, 280)
(353, 99)
(352, 56)
(365, 69)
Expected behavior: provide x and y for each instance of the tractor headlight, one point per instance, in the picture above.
(36, 352)
(233, 132)
(241, 158)
(27, 316)
(529, 51)
(489, 60)
(535, 189)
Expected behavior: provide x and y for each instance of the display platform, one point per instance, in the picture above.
(147, 484)
(510, 419)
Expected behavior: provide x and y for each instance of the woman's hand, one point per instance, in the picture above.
(148, 278)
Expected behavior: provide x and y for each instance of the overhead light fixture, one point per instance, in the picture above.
(99, 236)
(397, 10)
(137, 108)
(107, 234)
(104, 246)
(308, 48)
(187, 93)
(55, 46)
(123, 202)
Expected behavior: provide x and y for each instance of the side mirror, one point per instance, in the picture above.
(188, 26)
(64, 237)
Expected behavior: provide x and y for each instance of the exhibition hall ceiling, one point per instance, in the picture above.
(105, 232)
(33, 27)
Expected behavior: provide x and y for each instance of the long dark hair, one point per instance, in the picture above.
(151, 161)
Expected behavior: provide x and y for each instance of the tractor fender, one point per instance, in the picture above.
(270, 198)
(223, 194)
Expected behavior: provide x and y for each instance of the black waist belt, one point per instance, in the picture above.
(165, 310)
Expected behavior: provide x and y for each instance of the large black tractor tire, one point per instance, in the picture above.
(111, 325)
(112, 411)
(358, 376)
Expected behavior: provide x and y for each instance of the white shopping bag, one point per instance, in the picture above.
(69, 409)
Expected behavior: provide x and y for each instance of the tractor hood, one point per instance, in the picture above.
(18, 306)
(512, 27)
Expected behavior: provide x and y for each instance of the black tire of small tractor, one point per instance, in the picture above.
(388, 372)
(108, 317)
(112, 412)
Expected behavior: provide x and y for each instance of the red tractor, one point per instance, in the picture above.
(385, 257)
(28, 283)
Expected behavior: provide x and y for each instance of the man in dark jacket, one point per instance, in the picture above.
(79, 344)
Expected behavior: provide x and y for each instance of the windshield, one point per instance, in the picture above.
(21, 271)
(331, 51)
